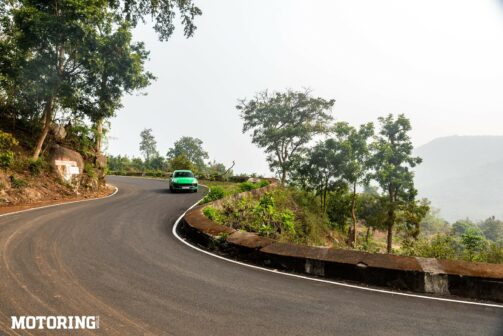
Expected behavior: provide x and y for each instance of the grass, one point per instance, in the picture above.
(283, 214)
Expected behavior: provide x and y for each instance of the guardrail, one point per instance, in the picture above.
(423, 275)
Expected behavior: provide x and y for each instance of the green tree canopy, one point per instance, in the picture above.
(192, 149)
(148, 145)
(283, 123)
(180, 162)
(392, 161)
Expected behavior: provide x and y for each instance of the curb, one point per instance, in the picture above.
(479, 281)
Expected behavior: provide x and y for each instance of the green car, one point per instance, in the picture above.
(183, 180)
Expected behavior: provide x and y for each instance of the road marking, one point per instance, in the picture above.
(342, 284)
(64, 203)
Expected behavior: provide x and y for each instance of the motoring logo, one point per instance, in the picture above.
(55, 322)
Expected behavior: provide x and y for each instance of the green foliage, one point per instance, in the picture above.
(35, 167)
(492, 229)
(239, 178)
(17, 182)
(247, 186)
(192, 149)
(339, 207)
(461, 226)
(6, 159)
(283, 123)
(214, 194)
(148, 145)
(391, 162)
(180, 162)
(7, 141)
(211, 213)
(473, 243)
(89, 170)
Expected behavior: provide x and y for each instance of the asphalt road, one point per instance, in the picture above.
(116, 258)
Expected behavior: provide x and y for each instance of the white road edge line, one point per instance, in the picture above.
(342, 284)
(59, 204)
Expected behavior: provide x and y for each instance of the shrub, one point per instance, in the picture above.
(36, 167)
(215, 193)
(6, 159)
(211, 213)
(7, 141)
(247, 186)
(89, 170)
(17, 182)
(239, 178)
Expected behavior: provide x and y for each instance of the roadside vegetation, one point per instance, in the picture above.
(353, 188)
(64, 68)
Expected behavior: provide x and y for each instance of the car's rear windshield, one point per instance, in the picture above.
(183, 174)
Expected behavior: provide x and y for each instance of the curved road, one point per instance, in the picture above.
(116, 258)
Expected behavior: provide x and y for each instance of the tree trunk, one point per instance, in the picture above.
(45, 130)
(390, 222)
(367, 235)
(353, 217)
(99, 135)
(283, 175)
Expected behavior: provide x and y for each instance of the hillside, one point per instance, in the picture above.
(463, 176)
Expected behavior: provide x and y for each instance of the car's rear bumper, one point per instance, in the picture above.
(184, 187)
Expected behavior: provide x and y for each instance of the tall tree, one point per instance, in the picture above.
(355, 155)
(116, 68)
(283, 123)
(148, 145)
(392, 162)
(53, 36)
(47, 47)
(192, 149)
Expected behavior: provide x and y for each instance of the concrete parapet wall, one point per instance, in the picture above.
(423, 275)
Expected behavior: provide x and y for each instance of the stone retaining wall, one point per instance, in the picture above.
(424, 275)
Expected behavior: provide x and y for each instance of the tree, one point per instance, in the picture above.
(432, 223)
(116, 68)
(318, 170)
(180, 162)
(473, 242)
(192, 149)
(52, 41)
(283, 123)
(148, 145)
(50, 52)
(461, 226)
(354, 160)
(492, 229)
(392, 161)
(162, 13)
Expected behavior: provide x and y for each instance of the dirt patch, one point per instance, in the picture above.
(55, 199)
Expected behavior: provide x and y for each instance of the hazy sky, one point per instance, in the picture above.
(439, 62)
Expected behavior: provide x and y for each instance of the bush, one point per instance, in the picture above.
(7, 141)
(89, 170)
(211, 213)
(6, 159)
(17, 182)
(239, 178)
(215, 193)
(247, 186)
(36, 167)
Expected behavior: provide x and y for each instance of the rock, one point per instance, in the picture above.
(101, 161)
(253, 180)
(67, 163)
(32, 195)
(59, 132)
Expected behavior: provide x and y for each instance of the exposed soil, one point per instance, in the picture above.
(35, 191)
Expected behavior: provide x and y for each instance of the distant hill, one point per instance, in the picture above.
(463, 176)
